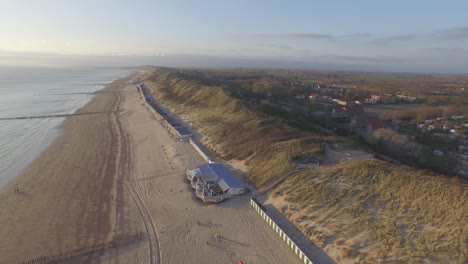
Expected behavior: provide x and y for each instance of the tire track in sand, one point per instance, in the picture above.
(246, 218)
(150, 228)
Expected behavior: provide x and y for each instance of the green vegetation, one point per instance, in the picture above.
(420, 114)
(409, 152)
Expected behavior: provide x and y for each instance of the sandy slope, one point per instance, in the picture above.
(112, 190)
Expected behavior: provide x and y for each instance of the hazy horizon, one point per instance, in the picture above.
(397, 36)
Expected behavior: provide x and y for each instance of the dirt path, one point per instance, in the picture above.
(124, 157)
(334, 156)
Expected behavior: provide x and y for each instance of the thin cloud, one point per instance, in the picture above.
(395, 38)
(282, 47)
(402, 37)
(360, 36)
(297, 36)
(447, 50)
(364, 59)
(453, 33)
(447, 34)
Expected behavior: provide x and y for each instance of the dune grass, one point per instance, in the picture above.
(397, 215)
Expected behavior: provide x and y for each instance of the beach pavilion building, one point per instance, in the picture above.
(213, 182)
(226, 181)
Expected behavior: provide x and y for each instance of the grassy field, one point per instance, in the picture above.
(367, 211)
(379, 109)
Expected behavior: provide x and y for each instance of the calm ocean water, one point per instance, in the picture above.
(37, 92)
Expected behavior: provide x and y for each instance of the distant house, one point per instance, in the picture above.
(365, 124)
(462, 148)
(370, 101)
(344, 102)
(429, 121)
(312, 96)
(323, 98)
(405, 98)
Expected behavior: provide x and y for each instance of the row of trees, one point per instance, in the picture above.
(400, 147)
(418, 115)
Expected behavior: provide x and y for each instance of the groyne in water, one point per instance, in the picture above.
(55, 116)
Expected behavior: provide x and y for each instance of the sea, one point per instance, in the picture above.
(31, 92)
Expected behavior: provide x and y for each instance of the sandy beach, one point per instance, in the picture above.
(112, 189)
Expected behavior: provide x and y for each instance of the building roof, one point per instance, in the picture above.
(224, 186)
(208, 173)
(182, 130)
(174, 124)
(168, 119)
(153, 104)
(224, 178)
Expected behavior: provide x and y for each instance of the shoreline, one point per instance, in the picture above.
(51, 138)
(71, 180)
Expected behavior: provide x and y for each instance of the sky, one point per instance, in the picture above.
(414, 36)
